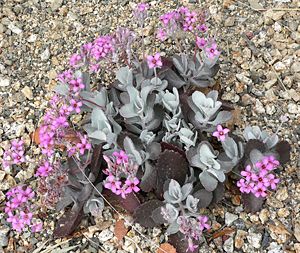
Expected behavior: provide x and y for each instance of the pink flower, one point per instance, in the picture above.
(122, 191)
(132, 185)
(261, 178)
(201, 42)
(94, 67)
(259, 190)
(112, 183)
(17, 145)
(18, 157)
(60, 121)
(75, 59)
(273, 181)
(44, 170)
(27, 193)
(83, 145)
(203, 222)
(247, 173)
(245, 187)
(75, 105)
(191, 17)
(154, 61)
(221, 133)
(18, 224)
(212, 51)
(77, 85)
(26, 217)
(37, 227)
(166, 18)
(202, 28)
(187, 26)
(191, 246)
(121, 156)
(161, 34)
(142, 7)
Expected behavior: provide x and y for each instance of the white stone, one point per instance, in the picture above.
(45, 55)
(259, 108)
(14, 28)
(105, 235)
(4, 82)
(32, 38)
(279, 66)
(254, 240)
(293, 108)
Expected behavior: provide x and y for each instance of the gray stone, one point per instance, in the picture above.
(3, 236)
(45, 55)
(55, 4)
(228, 245)
(230, 218)
(243, 79)
(229, 21)
(295, 68)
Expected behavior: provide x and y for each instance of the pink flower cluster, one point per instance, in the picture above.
(258, 179)
(18, 208)
(121, 173)
(140, 12)
(90, 55)
(55, 126)
(192, 228)
(14, 155)
(181, 19)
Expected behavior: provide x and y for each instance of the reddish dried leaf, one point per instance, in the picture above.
(120, 230)
(225, 231)
(166, 248)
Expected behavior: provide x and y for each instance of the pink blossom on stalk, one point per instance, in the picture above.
(83, 145)
(75, 59)
(203, 222)
(166, 18)
(75, 105)
(201, 42)
(18, 224)
(112, 183)
(212, 51)
(121, 156)
(132, 185)
(161, 34)
(26, 217)
(77, 85)
(247, 173)
(17, 145)
(94, 67)
(44, 170)
(154, 61)
(37, 227)
(191, 17)
(221, 133)
(245, 186)
(202, 28)
(191, 246)
(273, 181)
(262, 178)
(122, 192)
(259, 190)
(142, 7)
(18, 157)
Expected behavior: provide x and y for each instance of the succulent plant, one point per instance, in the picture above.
(189, 71)
(207, 112)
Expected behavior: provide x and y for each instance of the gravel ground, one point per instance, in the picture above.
(260, 73)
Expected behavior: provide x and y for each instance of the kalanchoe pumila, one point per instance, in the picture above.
(14, 155)
(155, 114)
